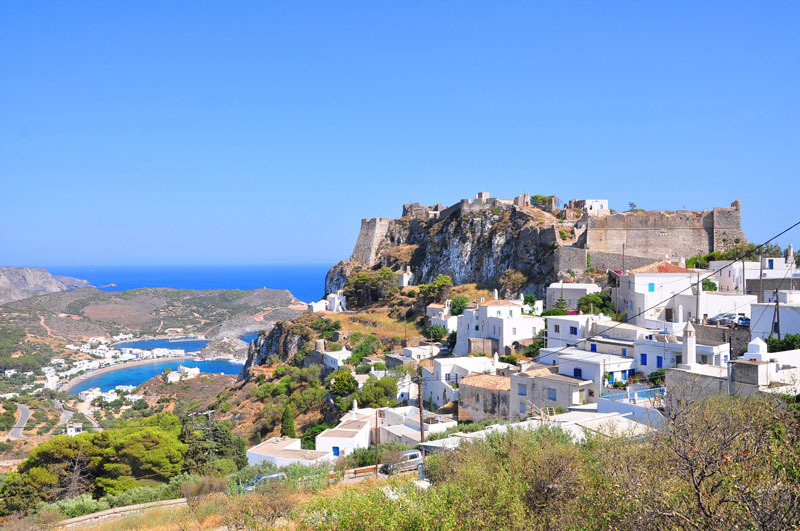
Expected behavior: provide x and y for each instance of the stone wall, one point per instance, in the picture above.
(717, 335)
(760, 286)
(657, 234)
(370, 236)
(575, 258)
(478, 403)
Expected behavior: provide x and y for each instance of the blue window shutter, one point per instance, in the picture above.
(594, 347)
(651, 287)
(659, 362)
(624, 352)
(644, 359)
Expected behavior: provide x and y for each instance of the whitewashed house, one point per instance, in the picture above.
(493, 326)
(404, 277)
(284, 451)
(570, 291)
(440, 376)
(90, 394)
(345, 438)
(641, 292)
(765, 320)
(420, 352)
(442, 315)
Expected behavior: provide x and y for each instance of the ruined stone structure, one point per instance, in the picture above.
(477, 240)
(658, 234)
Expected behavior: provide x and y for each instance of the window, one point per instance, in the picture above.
(629, 285)
(573, 330)
(624, 352)
(551, 394)
(522, 389)
(511, 313)
(678, 359)
(513, 331)
(770, 263)
(651, 287)
(476, 328)
(577, 372)
(593, 347)
(659, 362)
(336, 450)
(643, 359)
(499, 314)
(703, 359)
(556, 328)
(447, 377)
(522, 408)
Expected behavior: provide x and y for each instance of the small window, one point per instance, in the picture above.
(336, 450)
(624, 352)
(651, 287)
(593, 347)
(511, 313)
(476, 328)
(573, 330)
(577, 372)
(770, 264)
(523, 409)
(659, 362)
(643, 359)
(447, 377)
(522, 390)
(513, 331)
(679, 359)
(556, 328)
(551, 394)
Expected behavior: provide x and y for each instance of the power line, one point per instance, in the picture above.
(697, 285)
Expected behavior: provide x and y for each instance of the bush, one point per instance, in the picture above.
(457, 304)
(435, 332)
(78, 506)
(553, 312)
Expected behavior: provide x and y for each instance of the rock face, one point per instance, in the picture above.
(469, 246)
(18, 283)
(283, 341)
(225, 347)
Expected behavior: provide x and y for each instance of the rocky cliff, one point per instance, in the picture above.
(470, 246)
(283, 342)
(18, 283)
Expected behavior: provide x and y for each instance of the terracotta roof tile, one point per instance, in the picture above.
(661, 267)
(487, 381)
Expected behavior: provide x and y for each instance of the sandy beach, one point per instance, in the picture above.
(78, 379)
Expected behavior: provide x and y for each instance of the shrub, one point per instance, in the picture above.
(457, 304)
(435, 332)
(78, 506)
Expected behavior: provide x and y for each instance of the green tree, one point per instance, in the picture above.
(511, 281)
(438, 290)
(553, 312)
(378, 392)
(709, 285)
(287, 421)
(457, 304)
(530, 299)
(309, 438)
(788, 342)
(597, 303)
(452, 338)
(435, 332)
(561, 304)
(343, 382)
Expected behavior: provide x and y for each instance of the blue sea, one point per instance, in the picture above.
(141, 373)
(305, 281)
(189, 345)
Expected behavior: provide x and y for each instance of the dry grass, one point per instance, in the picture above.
(402, 253)
(386, 326)
(473, 292)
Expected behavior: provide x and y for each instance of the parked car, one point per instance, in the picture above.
(742, 322)
(408, 460)
(261, 479)
(723, 319)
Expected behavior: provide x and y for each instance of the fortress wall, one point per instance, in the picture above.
(613, 261)
(728, 227)
(652, 234)
(370, 236)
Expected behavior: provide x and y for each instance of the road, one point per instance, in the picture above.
(65, 413)
(24, 415)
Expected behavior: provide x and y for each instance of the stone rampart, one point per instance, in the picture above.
(575, 258)
(370, 236)
(717, 335)
(658, 234)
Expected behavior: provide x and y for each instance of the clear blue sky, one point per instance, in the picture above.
(238, 132)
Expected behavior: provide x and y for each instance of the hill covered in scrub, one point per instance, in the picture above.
(82, 313)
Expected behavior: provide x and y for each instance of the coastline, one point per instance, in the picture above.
(85, 376)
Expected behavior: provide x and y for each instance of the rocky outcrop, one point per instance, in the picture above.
(225, 347)
(18, 283)
(469, 246)
(283, 342)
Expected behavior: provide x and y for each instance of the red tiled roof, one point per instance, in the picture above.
(661, 267)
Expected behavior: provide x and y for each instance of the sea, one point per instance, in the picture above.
(305, 281)
(135, 375)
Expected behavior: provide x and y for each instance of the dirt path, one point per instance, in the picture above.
(48, 330)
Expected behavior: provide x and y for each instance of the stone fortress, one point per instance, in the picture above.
(476, 240)
(596, 228)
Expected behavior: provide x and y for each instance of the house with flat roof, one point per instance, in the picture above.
(345, 438)
(441, 376)
(493, 326)
(571, 293)
(540, 388)
(283, 451)
(483, 396)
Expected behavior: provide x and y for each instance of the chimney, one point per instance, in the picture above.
(496, 360)
(494, 294)
(353, 411)
(319, 345)
(790, 255)
(689, 346)
(521, 297)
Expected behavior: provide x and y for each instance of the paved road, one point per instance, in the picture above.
(65, 413)
(24, 415)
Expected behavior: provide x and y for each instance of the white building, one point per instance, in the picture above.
(595, 207)
(420, 352)
(187, 373)
(110, 396)
(764, 319)
(73, 429)
(493, 326)
(283, 451)
(122, 337)
(90, 394)
(345, 438)
(8, 373)
(442, 315)
(732, 275)
(571, 292)
(336, 359)
(404, 277)
(51, 381)
(440, 376)
(568, 330)
(641, 293)
(134, 398)
(666, 351)
(319, 306)
(334, 302)
(401, 425)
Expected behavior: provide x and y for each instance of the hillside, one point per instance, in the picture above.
(22, 282)
(82, 313)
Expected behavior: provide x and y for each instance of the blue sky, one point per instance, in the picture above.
(238, 132)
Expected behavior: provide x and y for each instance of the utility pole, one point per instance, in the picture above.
(421, 410)
(211, 436)
(623, 258)
(697, 301)
(760, 297)
(377, 441)
(778, 314)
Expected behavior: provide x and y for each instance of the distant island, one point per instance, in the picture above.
(18, 283)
